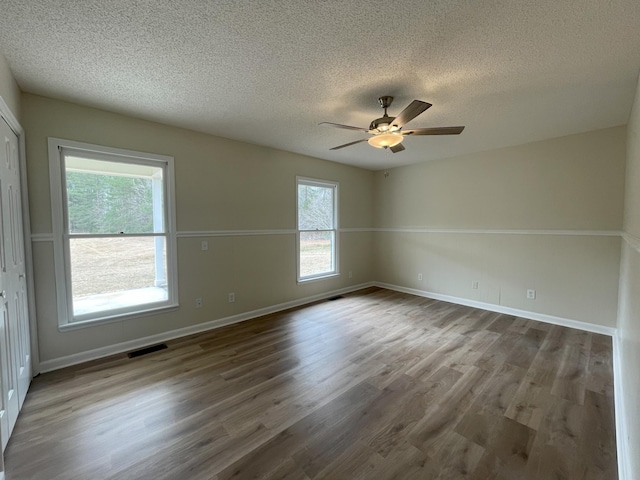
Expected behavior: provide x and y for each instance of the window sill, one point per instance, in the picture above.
(320, 277)
(66, 327)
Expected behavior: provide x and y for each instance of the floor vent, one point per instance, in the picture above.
(144, 351)
(337, 297)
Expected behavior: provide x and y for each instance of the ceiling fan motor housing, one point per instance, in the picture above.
(382, 124)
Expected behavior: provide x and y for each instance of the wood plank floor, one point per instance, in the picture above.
(375, 385)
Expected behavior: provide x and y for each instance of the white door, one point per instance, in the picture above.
(15, 360)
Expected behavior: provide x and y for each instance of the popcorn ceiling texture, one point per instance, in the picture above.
(267, 72)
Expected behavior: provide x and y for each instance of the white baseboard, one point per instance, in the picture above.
(62, 362)
(67, 361)
(564, 322)
(624, 455)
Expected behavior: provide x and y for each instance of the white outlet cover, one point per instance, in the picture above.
(205, 245)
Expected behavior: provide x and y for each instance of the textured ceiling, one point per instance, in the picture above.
(268, 71)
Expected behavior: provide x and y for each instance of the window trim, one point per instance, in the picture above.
(62, 267)
(336, 257)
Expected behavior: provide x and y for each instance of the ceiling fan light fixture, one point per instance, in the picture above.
(386, 131)
(385, 140)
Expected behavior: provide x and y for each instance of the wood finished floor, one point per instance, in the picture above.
(376, 385)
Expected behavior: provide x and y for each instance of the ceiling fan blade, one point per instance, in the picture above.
(397, 148)
(347, 127)
(349, 144)
(414, 109)
(434, 131)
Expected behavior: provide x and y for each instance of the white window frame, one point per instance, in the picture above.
(61, 236)
(336, 263)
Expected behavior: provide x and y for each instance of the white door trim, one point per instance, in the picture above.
(12, 121)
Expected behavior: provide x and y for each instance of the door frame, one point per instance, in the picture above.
(12, 121)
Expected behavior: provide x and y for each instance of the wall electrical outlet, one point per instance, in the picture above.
(350, 274)
(205, 245)
(199, 302)
(232, 297)
(531, 294)
(475, 285)
(419, 277)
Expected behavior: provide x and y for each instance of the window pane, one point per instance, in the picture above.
(315, 207)
(316, 253)
(113, 273)
(113, 197)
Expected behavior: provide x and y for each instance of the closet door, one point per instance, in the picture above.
(9, 404)
(15, 362)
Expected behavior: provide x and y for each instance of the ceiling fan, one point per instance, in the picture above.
(387, 131)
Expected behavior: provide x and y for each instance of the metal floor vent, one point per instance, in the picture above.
(144, 351)
(337, 297)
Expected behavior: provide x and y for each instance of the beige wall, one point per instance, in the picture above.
(632, 186)
(569, 183)
(629, 308)
(220, 185)
(9, 90)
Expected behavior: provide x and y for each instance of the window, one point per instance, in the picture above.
(114, 232)
(317, 229)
